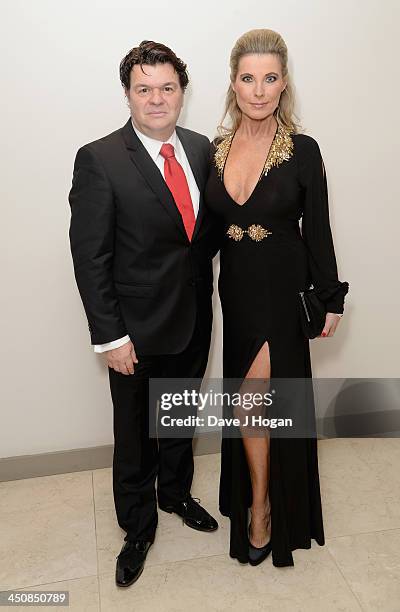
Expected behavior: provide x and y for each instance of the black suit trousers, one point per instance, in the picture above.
(138, 459)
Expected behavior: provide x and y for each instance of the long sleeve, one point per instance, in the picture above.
(92, 245)
(316, 230)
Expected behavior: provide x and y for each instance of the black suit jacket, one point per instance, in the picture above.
(136, 270)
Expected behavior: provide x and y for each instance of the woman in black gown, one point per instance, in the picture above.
(265, 177)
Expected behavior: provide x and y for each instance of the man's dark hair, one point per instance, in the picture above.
(151, 53)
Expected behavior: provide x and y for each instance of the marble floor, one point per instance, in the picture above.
(60, 532)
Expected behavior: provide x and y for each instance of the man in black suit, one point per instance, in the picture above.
(142, 247)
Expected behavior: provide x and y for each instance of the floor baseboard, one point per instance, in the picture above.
(82, 459)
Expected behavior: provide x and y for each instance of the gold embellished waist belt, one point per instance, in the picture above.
(257, 232)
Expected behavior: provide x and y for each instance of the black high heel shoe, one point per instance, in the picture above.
(258, 555)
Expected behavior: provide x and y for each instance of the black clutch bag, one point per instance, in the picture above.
(312, 313)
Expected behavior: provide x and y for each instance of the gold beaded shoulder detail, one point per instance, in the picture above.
(221, 153)
(281, 150)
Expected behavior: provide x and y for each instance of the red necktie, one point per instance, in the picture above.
(178, 185)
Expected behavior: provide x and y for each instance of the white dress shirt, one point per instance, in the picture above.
(153, 148)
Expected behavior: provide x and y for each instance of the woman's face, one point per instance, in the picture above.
(258, 85)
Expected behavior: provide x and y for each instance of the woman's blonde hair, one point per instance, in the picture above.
(260, 41)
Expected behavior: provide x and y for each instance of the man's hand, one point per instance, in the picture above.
(122, 359)
(331, 322)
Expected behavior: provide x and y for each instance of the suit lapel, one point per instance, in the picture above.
(152, 174)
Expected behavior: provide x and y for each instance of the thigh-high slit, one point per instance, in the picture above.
(294, 494)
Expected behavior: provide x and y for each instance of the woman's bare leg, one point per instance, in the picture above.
(257, 453)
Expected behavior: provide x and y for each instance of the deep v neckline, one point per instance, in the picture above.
(260, 176)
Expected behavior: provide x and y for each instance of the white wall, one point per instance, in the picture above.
(60, 89)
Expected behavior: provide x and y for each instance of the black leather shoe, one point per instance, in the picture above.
(130, 562)
(193, 515)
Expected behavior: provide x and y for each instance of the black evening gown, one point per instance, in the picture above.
(260, 277)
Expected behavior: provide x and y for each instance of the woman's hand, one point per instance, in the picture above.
(331, 323)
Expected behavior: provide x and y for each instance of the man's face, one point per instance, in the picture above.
(155, 99)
